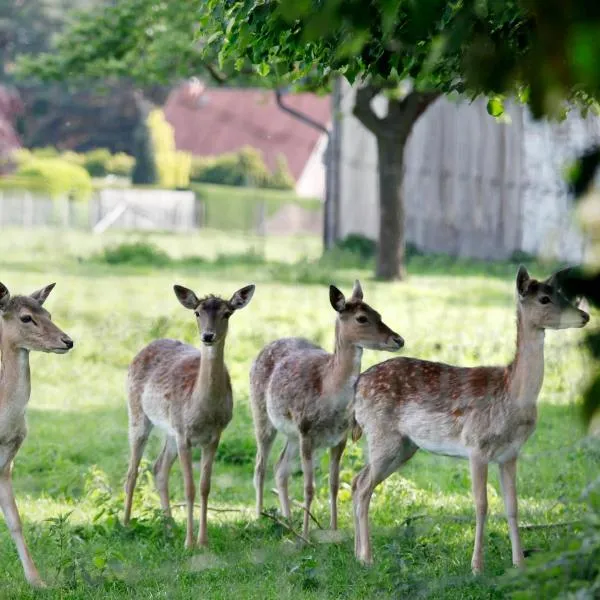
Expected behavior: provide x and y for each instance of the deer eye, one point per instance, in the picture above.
(227, 315)
(26, 319)
(544, 300)
(197, 313)
(362, 319)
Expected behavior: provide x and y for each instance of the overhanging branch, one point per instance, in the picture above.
(363, 110)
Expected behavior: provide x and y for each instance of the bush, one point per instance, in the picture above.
(281, 178)
(359, 245)
(46, 152)
(120, 164)
(55, 177)
(74, 158)
(135, 253)
(96, 162)
(144, 169)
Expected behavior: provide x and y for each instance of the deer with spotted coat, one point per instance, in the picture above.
(186, 392)
(25, 326)
(484, 414)
(306, 393)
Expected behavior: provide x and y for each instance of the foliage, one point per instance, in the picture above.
(54, 176)
(96, 162)
(245, 167)
(138, 253)
(120, 164)
(144, 170)
(173, 167)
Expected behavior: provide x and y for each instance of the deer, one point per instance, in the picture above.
(306, 393)
(186, 393)
(484, 414)
(25, 326)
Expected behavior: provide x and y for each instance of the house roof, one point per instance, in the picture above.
(219, 120)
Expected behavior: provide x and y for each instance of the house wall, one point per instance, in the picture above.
(311, 183)
(473, 186)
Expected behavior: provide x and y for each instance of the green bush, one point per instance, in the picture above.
(74, 158)
(281, 178)
(46, 152)
(96, 162)
(120, 164)
(55, 177)
(242, 168)
(135, 253)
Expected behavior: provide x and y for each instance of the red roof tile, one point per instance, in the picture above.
(225, 119)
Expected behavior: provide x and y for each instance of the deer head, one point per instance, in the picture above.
(361, 325)
(26, 325)
(212, 313)
(542, 304)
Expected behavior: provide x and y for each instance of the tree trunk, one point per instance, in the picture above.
(390, 249)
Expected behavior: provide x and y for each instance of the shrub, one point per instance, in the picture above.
(120, 164)
(135, 253)
(359, 245)
(55, 177)
(46, 152)
(96, 162)
(281, 178)
(73, 157)
(144, 170)
(173, 167)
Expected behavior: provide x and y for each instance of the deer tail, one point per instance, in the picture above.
(356, 429)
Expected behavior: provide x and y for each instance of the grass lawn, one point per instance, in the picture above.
(69, 473)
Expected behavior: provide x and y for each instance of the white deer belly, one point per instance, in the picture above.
(451, 447)
(156, 410)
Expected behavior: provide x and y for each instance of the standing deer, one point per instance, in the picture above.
(186, 392)
(302, 391)
(25, 326)
(484, 414)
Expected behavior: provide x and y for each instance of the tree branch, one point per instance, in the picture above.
(287, 527)
(363, 110)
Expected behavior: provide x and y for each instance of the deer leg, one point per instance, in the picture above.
(306, 455)
(283, 468)
(138, 437)
(208, 457)
(384, 460)
(185, 456)
(13, 520)
(264, 442)
(161, 469)
(508, 480)
(479, 471)
(335, 456)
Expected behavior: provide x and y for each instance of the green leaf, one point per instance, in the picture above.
(263, 69)
(495, 106)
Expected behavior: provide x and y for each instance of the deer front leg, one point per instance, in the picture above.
(161, 470)
(283, 469)
(307, 468)
(508, 480)
(335, 456)
(185, 456)
(208, 457)
(13, 520)
(479, 471)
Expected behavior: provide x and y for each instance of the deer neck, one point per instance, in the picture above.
(345, 365)
(211, 375)
(15, 377)
(526, 372)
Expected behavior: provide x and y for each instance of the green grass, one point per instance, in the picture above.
(69, 474)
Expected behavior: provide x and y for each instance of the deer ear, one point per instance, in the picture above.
(337, 299)
(186, 297)
(523, 280)
(357, 292)
(42, 295)
(242, 297)
(557, 279)
(4, 297)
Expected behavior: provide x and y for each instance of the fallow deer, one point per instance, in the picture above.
(484, 414)
(302, 391)
(186, 392)
(25, 326)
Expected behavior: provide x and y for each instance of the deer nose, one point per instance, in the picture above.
(208, 337)
(68, 342)
(399, 340)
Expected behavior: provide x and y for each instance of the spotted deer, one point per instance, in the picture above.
(186, 392)
(302, 391)
(25, 326)
(484, 414)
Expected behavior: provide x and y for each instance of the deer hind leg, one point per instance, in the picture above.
(508, 480)
(335, 456)
(479, 472)
(138, 437)
(185, 456)
(306, 455)
(161, 470)
(13, 521)
(264, 442)
(283, 469)
(208, 457)
(384, 459)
